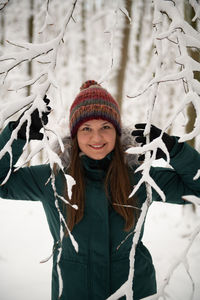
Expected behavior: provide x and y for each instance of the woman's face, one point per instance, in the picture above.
(96, 138)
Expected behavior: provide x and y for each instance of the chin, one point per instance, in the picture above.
(98, 156)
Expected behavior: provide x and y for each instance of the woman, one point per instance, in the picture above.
(94, 156)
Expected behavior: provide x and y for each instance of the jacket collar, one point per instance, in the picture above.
(96, 169)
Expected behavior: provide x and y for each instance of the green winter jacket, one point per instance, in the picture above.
(98, 269)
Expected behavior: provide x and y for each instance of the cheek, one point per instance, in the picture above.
(112, 142)
(79, 140)
(82, 141)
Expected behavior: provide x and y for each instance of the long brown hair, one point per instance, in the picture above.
(117, 187)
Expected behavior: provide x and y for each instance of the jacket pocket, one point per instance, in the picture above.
(119, 274)
(74, 276)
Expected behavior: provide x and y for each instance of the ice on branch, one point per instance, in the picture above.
(182, 36)
(182, 259)
(197, 175)
(42, 81)
(153, 146)
(126, 288)
(196, 7)
(3, 3)
(124, 10)
(193, 199)
(70, 182)
(192, 97)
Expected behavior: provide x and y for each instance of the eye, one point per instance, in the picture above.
(106, 127)
(86, 128)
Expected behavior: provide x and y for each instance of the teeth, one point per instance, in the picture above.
(99, 146)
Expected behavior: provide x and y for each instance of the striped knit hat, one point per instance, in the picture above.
(93, 102)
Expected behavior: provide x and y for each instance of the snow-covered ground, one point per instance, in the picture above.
(25, 241)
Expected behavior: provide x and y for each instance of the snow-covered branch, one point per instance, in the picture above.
(3, 3)
(44, 79)
(126, 288)
(112, 32)
(196, 7)
(29, 52)
(181, 260)
(182, 36)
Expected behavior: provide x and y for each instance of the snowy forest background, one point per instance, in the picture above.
(147, 54)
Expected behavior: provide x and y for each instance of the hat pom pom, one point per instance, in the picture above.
(87, 84)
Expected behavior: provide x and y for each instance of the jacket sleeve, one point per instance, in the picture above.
(27, 183)
(178, 181)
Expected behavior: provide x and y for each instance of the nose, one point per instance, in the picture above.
(96, 136)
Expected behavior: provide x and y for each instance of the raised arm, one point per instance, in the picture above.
(180, 180)
(27, 183)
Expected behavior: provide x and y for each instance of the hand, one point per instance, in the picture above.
(154, 133)
(36, 123)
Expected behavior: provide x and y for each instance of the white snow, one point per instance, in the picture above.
(25, 241)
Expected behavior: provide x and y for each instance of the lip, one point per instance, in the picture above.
(97, 147)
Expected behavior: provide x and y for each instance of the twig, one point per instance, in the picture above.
(17, 45)
(181, 260)
(153, 83)
(2, 5)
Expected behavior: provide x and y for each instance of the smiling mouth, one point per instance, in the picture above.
(97, 147)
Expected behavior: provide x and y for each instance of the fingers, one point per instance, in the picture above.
(35, 120)
(141, 158)
(140, 125)
(46, 100)
(141, 139)
(137, 132)
(36, 135)
(45, 117)
(140, 132)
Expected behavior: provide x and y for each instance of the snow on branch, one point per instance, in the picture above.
(196, 7)
(126, 288)
(41, 83)
(112, 31)
(193, 199)
(30, 52)
(197, 175)
(182, 36)
(48, 19)
(182, 259)
(3, 3)
(150, 150)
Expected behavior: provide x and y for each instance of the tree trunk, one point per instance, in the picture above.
(124, 55)
(83, 42)
(189, 14)
(29, 65)
(30, 37)
(191, 112)
(2, 26)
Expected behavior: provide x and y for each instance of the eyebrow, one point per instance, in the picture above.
(86, 124)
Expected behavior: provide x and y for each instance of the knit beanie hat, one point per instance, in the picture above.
(93, 102)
